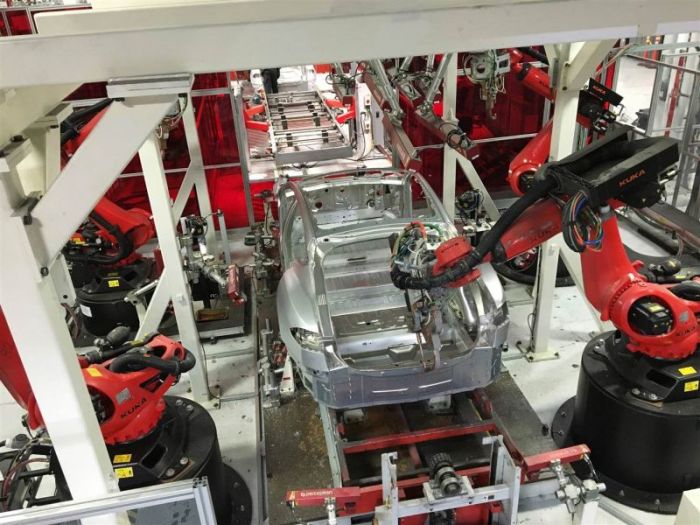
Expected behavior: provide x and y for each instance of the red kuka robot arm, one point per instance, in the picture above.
(576, 196)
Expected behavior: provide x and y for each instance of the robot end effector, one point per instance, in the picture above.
(576, 196)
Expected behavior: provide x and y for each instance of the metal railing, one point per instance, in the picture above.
(129, 500)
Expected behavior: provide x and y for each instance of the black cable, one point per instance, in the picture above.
(70, 127)
(124, 244)
(100, 356)
(133, 362)
(541, 57)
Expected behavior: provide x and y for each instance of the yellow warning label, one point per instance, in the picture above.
(687, 371)
(124, 472)
(122, 458)
(113, 283)
(691, 386)
(94, 372)
(655, 307)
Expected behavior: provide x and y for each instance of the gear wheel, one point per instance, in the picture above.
(438, 461)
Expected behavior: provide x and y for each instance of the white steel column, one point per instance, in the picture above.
(32, 309)
(174, 280)
(236, 97)
(449, 155)
(45, 137)
(574, 63)
(32, 243)
(93, 168)
(196, 168)
(45, 155)
(156, 307)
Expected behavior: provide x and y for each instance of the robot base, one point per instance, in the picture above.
(102, 299)
(644, 445)
(184, 445)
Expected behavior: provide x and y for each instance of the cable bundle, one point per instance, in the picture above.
(581, 226)
(410, 248)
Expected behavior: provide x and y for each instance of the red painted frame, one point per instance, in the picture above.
(353, 500)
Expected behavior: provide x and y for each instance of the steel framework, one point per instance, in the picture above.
(36, 75)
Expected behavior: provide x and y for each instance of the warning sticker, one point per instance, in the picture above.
(687, 371)
(691, 386)
(94, 372)
(122, 458)
(124, 472)
(86, 310)
(113, 283)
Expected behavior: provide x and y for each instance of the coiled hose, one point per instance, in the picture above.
(133, 362)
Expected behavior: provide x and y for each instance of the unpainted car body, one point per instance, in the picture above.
(349, 330)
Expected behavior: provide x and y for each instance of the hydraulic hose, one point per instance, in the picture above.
(404, 280)
(100, 356)
(133, 362)
(70, 127)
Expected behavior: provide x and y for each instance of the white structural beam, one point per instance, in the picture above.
(196, 169)
(576, 63)
(449, 155)
(19, 108)
(577, 72)
(156, 307)
(237, 107)
(43, 163)
(200, 38)
(174, 280)
(92, 170)
(36, 320)
(183, 193)
(169, 287)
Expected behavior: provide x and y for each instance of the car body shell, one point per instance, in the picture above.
(345, 325)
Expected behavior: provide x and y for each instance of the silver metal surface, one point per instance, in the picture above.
(332, 438)
(437, 80)
(225, 245)
(175, 84)
(303, 128)
(359, 344)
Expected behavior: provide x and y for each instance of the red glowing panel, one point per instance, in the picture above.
(18, 20)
